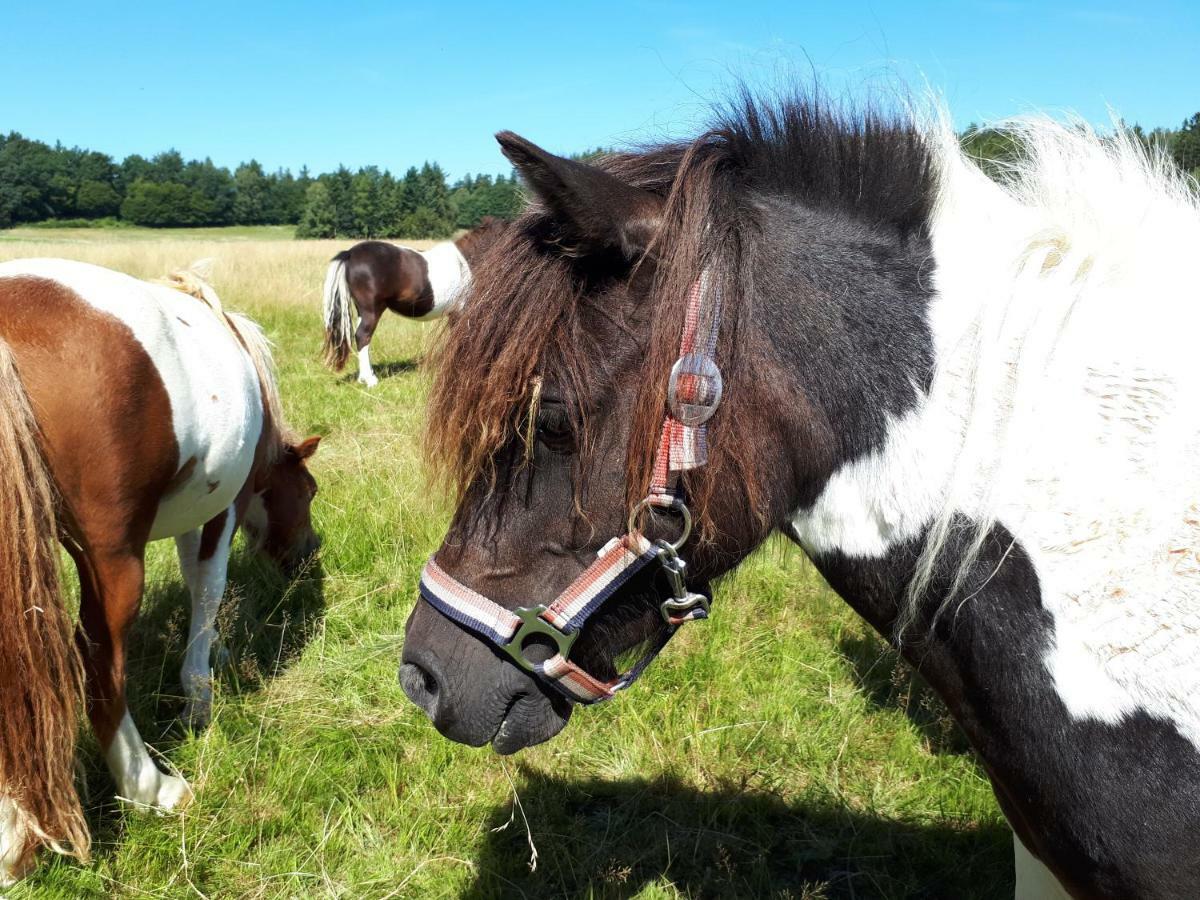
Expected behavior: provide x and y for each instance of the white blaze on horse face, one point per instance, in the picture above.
(206, 583)
(138, 779)
(216, 403)
(449, 277)
(366, 374)
(256, 522)
(1066, 407)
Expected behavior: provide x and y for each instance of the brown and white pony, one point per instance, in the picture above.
(378, 276)
(129, 412)
(976, 406)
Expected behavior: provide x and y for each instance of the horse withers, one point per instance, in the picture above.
(377, 276)
(129, 412)
(974, 405)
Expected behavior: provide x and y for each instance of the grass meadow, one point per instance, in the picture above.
(778, 750)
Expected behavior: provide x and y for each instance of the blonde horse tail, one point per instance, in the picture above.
(339, 329)
(41, 673)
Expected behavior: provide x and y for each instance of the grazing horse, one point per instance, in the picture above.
(378, 276)
(976, 406)
(129, 412)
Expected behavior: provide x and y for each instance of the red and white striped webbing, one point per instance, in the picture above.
(681, 446)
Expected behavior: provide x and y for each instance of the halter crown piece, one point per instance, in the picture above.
(693, 394)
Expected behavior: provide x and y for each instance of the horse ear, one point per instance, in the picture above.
(598, 211)
(307, 447)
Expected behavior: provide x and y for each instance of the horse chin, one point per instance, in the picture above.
(529, 721)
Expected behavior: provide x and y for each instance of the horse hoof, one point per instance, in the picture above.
(197, 715)
(222, 658)
(173, 794)
(369, 382)
(11, 875)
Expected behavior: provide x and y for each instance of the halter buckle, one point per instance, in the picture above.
(532, 623)
(694, 402)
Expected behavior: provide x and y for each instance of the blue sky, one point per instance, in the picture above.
(393, 84)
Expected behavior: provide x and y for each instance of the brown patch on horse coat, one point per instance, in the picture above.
(210, 535)
(383, 276)
(106, 427)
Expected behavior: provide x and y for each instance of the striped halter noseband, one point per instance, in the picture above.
(693, 393)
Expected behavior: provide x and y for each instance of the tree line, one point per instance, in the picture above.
(40, 182)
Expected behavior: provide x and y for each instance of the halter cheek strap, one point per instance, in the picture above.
(694, 390)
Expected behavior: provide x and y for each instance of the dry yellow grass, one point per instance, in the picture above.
(253, 271)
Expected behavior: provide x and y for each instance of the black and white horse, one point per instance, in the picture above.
(976, 406)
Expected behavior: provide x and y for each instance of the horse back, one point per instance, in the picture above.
(149, 408)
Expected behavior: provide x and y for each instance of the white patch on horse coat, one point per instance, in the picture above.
(1066, 406)
(205, 579)
(13, 836)
(138, 779)
(1034, 880)
(366, 374)
(449, 277)
(216, 404)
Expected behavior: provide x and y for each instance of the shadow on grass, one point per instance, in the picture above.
(614, 839)
(387, 370)
(265, 622)
(888, 682)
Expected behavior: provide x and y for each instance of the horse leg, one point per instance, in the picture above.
(203, 559)
(110, 594)
(15, 859)
(367, 320)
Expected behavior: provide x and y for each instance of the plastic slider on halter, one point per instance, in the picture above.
(693, 393)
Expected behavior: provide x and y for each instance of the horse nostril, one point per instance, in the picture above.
(421, 686)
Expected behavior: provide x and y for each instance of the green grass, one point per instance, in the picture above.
(777, 750)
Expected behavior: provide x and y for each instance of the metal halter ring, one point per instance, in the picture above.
(676, 505)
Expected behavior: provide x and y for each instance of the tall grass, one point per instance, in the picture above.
(778, 750)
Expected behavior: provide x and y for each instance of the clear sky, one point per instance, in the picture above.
(393, 84)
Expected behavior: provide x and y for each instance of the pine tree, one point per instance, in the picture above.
(319, 219)
(250, 204)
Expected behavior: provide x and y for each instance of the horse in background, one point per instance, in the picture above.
(378, 276)
(129, 412)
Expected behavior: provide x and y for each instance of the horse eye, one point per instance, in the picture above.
(554, 429)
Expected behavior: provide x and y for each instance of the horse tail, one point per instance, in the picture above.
(339, 330)
(41, 673)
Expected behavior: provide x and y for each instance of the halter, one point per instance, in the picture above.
(693, 393)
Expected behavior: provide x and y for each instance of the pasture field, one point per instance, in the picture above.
(778, 750)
